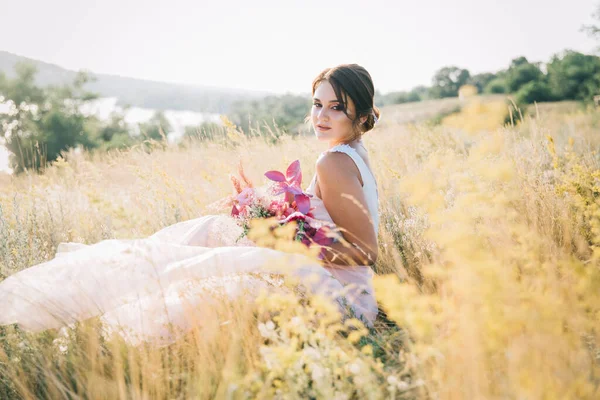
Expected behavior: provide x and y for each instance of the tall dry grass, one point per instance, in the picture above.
(488, 264)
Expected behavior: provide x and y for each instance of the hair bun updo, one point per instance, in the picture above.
(372, 119)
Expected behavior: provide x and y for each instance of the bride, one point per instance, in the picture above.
(145, 286)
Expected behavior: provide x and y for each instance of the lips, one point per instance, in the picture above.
(323, 128)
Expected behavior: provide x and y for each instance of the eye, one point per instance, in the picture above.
(338, 108)
(316, 104)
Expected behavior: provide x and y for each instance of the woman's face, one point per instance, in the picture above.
(330, 123)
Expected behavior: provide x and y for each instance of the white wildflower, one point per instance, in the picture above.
(392, 380)
(62, 344)
(267, 330)
(354, 368)
(269, 357)
(317, 372)
(311, 353)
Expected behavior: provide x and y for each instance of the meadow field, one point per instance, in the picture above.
(488, 276)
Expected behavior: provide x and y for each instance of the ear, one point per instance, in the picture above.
(363, 119)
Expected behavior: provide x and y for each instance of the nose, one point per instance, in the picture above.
(322, 114)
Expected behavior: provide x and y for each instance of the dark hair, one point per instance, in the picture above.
(354, 81)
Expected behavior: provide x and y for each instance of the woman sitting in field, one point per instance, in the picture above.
(146, 286)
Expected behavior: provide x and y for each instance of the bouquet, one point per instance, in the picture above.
(283, 201)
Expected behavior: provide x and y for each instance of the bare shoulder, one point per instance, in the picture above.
(334, 166)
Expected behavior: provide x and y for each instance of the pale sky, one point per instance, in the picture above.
(281, 45)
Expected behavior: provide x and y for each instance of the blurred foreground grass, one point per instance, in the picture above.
(489, 264)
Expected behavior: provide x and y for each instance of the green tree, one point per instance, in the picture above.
(396, 98)
(419, 92)
(482, 80)
(114, 133)
(534, 91)
(157, 128)
(287, 112)
(416, 94)
(447, 81)
(521, 72)
(495, 86)
(42, 123)
(574, 76)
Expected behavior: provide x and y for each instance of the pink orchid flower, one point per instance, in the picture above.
(290, 185)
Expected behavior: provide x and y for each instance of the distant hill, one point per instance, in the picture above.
(138, 92)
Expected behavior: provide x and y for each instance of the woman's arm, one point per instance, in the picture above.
(344, 199)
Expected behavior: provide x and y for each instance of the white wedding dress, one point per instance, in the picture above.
(142, 287)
